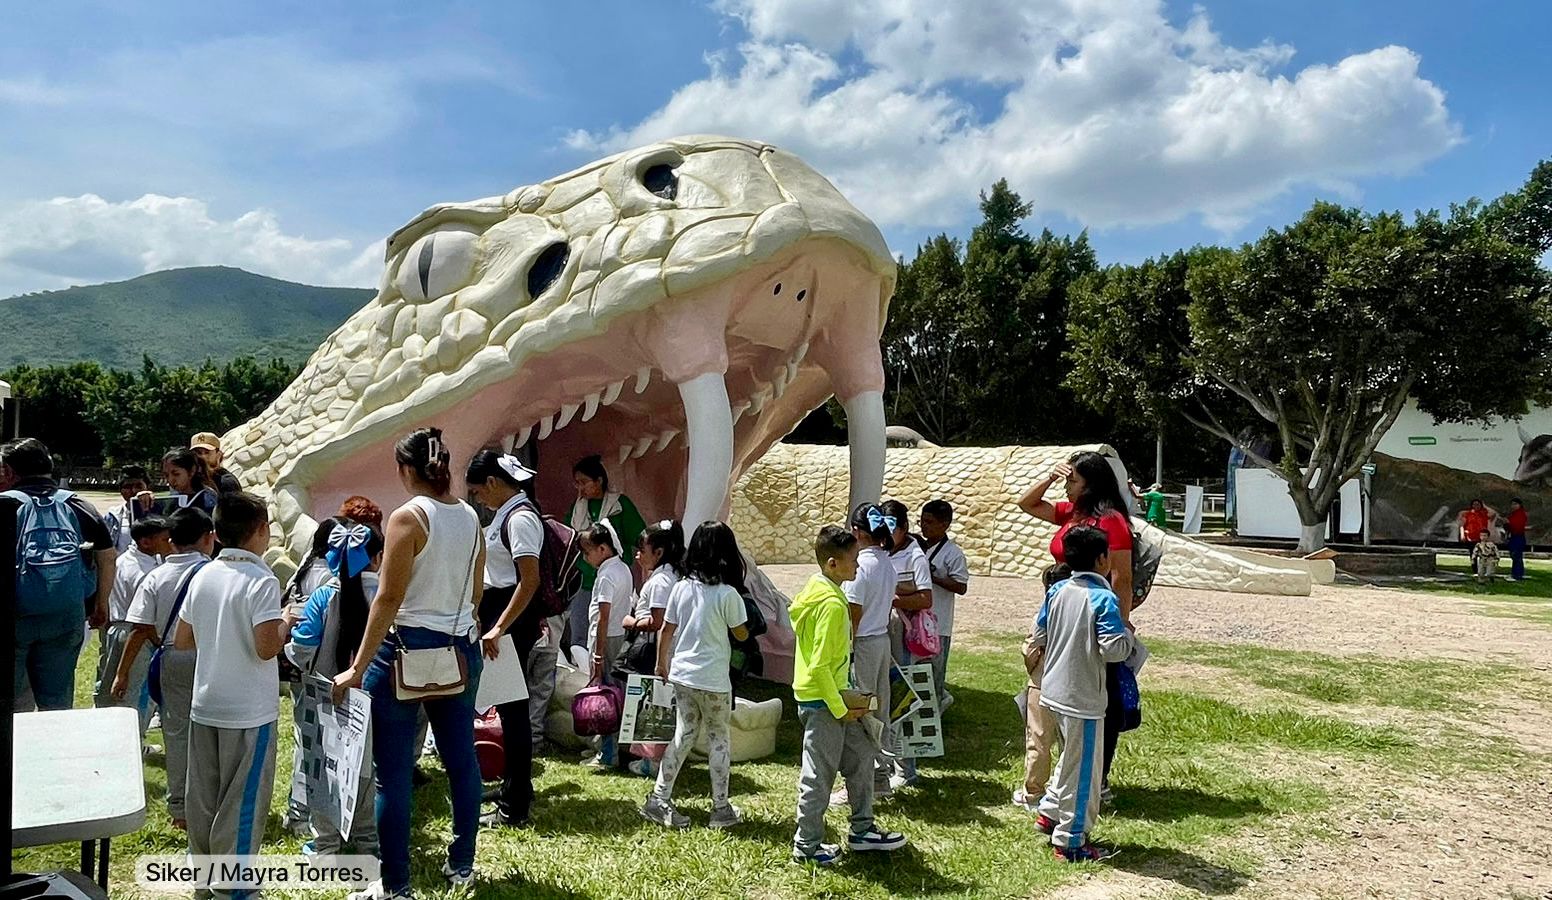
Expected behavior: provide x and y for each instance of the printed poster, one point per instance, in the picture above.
(648, 717)
(334, 742)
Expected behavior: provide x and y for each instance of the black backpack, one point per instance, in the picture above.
(560, 575)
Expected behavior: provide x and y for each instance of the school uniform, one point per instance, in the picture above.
(312, 647)
(304, 583)
(132, 568)
(911, 567)
(1080, 626)
(702, 616)
(946, 560)
(613, 585)
(236, 705)
(153, 605)
(516, 526)
(874, 590)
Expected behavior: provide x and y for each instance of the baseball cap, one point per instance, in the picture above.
(206, 440)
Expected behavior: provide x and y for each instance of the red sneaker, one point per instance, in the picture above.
(1045, 824)
(1086, 853)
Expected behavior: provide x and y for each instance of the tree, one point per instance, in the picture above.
(53, 402)
(925, 344)
(1322, 331)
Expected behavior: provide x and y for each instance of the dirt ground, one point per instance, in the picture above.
(1398, 834)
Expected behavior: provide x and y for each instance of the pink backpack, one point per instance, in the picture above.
(596, 709)
(921, 633)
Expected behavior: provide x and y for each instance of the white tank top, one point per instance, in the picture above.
(441, 587)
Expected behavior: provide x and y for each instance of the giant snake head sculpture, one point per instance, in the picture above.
(677, 308)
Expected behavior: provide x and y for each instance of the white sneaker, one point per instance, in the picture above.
(901, 780)
(456, 877)
(376, 891)
(1023, 801)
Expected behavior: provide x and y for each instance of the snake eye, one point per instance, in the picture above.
(661, 180)
(437, 264)
(546, 268)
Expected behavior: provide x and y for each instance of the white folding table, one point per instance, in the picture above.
(76, 776)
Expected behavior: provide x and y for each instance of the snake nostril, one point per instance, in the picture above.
(777, 291)
(801, 294)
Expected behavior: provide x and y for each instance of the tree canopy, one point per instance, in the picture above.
(1318, 333)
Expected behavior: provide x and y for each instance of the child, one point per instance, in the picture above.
(950, 579)
(913, 594)
(135, 488)
(323, 643)
(613, 598)
(660, 560)
(871, 597)
(154, 612)
(702, 610)
(190, 480)
(1484, 557)
(233, 615)
(311, 575)
(1080, 627)
(833, 738)
(1039, 723)
(144, 555)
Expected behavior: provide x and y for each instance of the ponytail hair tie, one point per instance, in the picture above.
(347, 554)
(514, 467)
(666, 524)
(614, 537)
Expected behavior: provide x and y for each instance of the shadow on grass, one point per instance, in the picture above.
(1185, 869)
(1174, 804)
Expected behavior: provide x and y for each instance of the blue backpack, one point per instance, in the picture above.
(51, 574)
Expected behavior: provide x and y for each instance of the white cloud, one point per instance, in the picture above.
(1105, 111)
(85, 239)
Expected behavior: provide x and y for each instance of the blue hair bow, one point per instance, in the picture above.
(347, 554)
(876, 518)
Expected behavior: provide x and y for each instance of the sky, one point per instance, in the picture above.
(291, 138)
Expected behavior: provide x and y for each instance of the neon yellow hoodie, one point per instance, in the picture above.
(822, 626)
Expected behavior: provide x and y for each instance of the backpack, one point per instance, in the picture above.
(595, 710)
(1147, 553)
(560, 572)
(154, 670)
(921, 633)
(51, 573)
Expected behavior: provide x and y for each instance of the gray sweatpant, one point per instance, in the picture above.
(177, 697)
(296, 802)
(231, 780)
(1072, 798)
(542, 661)
(871, 659)
(114, 639)
(694, 710)
(831, 746)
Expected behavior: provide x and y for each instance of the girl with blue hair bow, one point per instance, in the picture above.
(324, 642)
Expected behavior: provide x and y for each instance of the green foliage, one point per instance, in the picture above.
(1321, 331)
(85, 413)
(177, 317)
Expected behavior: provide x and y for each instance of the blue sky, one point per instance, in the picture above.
(291, 138)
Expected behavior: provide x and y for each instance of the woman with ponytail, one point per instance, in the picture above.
(513, 541)
(427, 596)
(324, 641)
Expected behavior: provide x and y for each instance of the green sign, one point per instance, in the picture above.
(1422, 440)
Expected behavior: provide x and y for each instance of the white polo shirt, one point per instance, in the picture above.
(873, 589)
(947, 560)
(233, 688)
(910, 565)
(152, 603)
(614, 586)
(656, 589)
(131, 568)
(703, 650)
(524, 532)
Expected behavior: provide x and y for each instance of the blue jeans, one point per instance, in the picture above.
(394, 723)
(47, 648)
(1517, 544)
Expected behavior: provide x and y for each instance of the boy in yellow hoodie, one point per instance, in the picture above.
(833, 739)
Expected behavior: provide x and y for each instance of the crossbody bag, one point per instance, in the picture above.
(434, 671)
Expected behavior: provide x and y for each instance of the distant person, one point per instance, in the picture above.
(1155, 499)
(154, 612)
(151, 543)
(596, 502)
(135, 489)
(56, 594)
(613, 598)
(950, 580)
(1484, 557)
(1517, 522)
(190, 480)
(233, 619)
(207, 447)
(834, 739)
(1080, 627)
(1040, 732)
(1471, 522)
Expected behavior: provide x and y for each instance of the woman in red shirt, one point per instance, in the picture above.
(1094, 498)
(1472, 522)
(1517, 521)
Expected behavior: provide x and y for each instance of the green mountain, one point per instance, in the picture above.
(177, 316)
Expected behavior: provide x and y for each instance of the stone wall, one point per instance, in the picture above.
(783, 500)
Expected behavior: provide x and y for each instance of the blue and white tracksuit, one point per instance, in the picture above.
(1080, 626)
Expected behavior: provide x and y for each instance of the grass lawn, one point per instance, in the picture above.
(1200, 788)
(1530, 599)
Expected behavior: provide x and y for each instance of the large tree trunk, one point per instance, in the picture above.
(1313, 515)
(1312, 537)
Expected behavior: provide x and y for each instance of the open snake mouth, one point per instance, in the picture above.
(675, 310)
